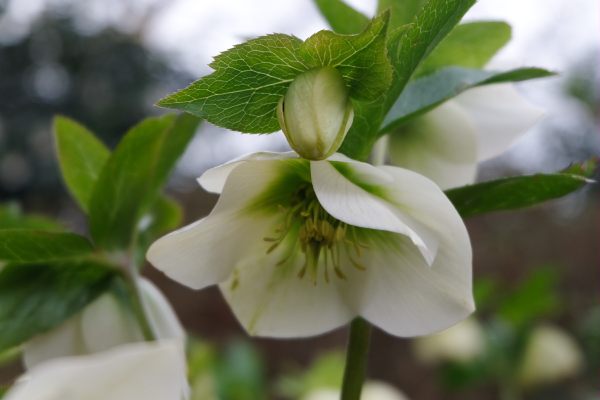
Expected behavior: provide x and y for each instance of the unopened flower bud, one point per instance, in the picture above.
(316, 113)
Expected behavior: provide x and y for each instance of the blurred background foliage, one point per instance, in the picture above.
(534, 269)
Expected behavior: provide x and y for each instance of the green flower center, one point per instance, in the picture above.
(323, 240)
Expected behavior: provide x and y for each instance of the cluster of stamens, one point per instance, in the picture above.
(322, 239)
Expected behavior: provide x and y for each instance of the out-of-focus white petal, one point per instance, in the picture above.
(142, 371)
(441, 144)
(270, 300)
(372, 390)
(501, 115)
(106, 323)
(205, 252)
(398, 291)
(551, 355)
(65, 340)
(462, 343)
(213, 179)
(165, 323)
(350, 193)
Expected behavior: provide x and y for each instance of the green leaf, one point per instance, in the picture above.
(361, 59)
(468, 45)
(12, 217)
(30, 246)
(81, 157)
(513, 193)
(341, 17)
(425, 93)
(250, 79)
(240, 374)
(133, 176)
(407, 47)
(402, 11)
(535, 298)
(35, 298)
(435, 20)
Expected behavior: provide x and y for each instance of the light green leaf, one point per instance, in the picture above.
(35, 298)
(361, 59)
(402, 11)
(240, 373)
(12, 217)
(425, 93)
(513, 193)
(81, 157)
(250, 79)
(469, 45)
(133, 176)
(29, 246)
(341, 17)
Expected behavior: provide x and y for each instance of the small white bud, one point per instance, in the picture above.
(316, 113)
(551, 355)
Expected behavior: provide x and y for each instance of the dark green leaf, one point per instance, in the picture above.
(250, 79)
(468, 45)
(402, 11)
(30, 246)
(513, 193)
(133, 176)
(341, 17)
(35, 298)
(425, 93)
(81, 157)
(535, 298)
(12, 217)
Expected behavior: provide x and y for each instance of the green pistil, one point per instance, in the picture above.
(322, 239)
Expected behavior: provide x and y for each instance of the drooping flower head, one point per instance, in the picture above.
(301, 247)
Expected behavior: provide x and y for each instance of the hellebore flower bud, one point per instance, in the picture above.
(316, 113)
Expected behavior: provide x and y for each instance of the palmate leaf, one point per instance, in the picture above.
(249, 79)
(425, 93)
(29, 246)
(131, 179)
(514, 193)
(37, 297)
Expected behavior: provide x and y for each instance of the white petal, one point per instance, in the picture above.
(205, 252)
(441, 144)
(213, 179)
(107, 323)
(348, 202)
(501, 115)
(398, 292)
(65, 340)
(164, 321)
(272, 301)
(143, 371)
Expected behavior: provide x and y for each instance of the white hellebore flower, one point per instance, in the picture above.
(301, 247)
(446, 143)
(551, 355)
(104, 324)
(140, 371)
(316, 113)
(462, 343)
(372, 390)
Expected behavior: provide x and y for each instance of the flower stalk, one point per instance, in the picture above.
(356, 359)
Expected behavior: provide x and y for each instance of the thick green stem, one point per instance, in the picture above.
(356, 359)
(139, 311)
